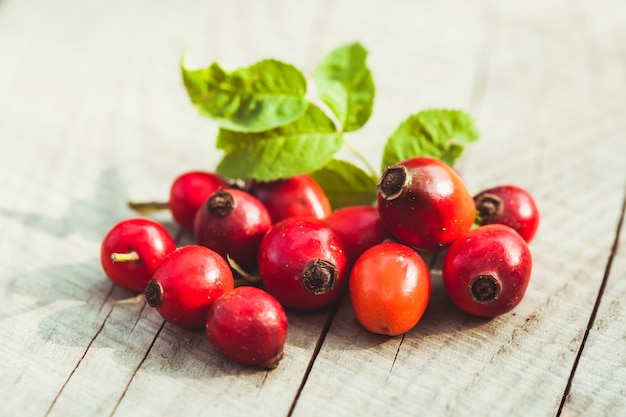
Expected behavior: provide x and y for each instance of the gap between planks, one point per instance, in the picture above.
(316, 351)
(139, 365)
(432, 263)
(80, 360)
(594, 311)
(177, 238)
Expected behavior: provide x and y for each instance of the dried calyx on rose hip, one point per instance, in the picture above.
(510, 205)
(424, 203)
(132, 250)
(232, 222)
(298, 196)
(486, 271)
(186, 283)
(303, 263)
(187, 193)
(248, 326)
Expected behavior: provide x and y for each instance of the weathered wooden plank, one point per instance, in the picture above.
(549, 119)
(598, 386)
(93, 113)
(110, 107)
(61, 138)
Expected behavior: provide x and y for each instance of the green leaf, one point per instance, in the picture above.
(346, 184)
(262, 96)
(436, 133)
(302, 146)
(345, 84)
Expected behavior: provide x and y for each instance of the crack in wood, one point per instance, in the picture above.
(433, 263)
(106, 298)
(178, 237)
(143, 307)
(594, 311)
(80, 360)
(395, 357)
(318, 347)
(139, 365)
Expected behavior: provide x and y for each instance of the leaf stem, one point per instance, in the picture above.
(360, 156)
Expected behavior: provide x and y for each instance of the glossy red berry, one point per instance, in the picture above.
(189, 191)
(186, 283)
(132, 250)
(232, 222)
(510, 205)
(359, 227)
(299, 196)
(303, 263)
(248, 326)
(424, 203)
(389, 288)
(486, 271)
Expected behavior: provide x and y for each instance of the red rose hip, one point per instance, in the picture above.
(486, 271)
(232, 223)
(132, 250)
(186, 283)
(510, 205)
(303, 263)
(248, 326)
(187, 193)
(359, 227)
(424, 203)
(299, 196)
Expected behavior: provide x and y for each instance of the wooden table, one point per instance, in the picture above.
(93, 113)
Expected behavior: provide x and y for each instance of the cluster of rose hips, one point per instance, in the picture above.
(283, 239)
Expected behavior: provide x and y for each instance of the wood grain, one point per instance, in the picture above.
(598, 384)
(93, 113)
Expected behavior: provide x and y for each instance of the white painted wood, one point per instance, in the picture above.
(93, 113)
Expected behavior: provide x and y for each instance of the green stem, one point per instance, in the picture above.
(360, 156)
(148, 206)
(131, 256)
(246, 278)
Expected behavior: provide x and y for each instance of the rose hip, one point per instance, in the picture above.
(186, 283)
(299, 196)
(303, 263)
(389, 288)
(232, 222)
(187, 193)
(132, 250)
(424, 203)
(248, 326)
(510, 205)
(359, 227)
(486, 271)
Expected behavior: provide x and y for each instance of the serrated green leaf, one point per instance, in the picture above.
(299, 147)
(436, 133)
(346, 184)
(345, 84)
(262, 96)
